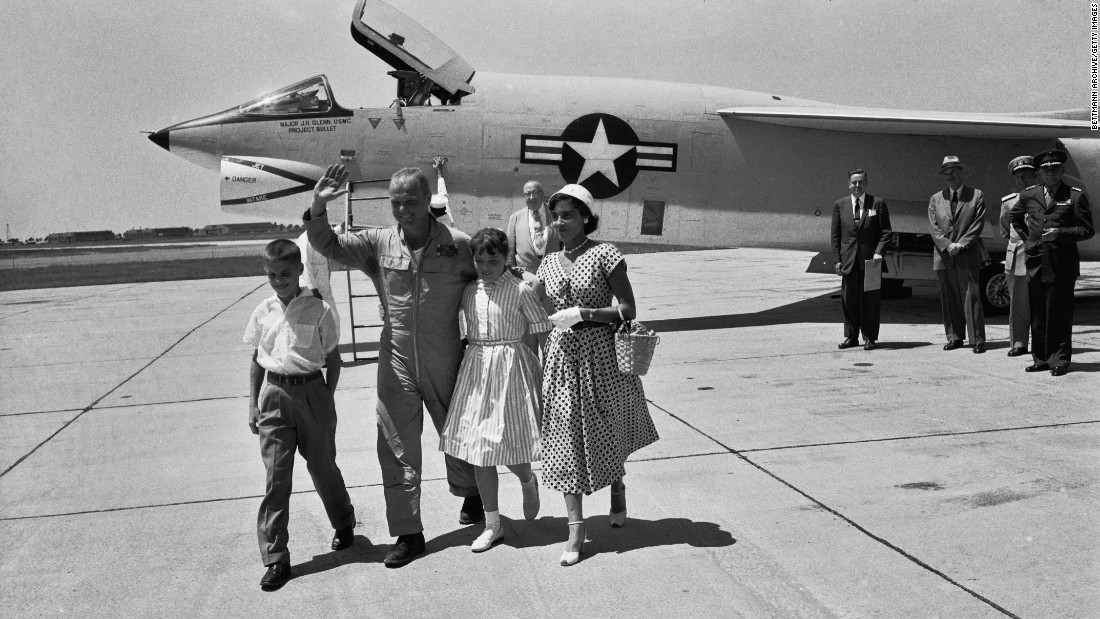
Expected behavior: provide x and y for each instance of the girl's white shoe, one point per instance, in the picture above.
(493, 533)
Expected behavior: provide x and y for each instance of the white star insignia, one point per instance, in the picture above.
(599, 155)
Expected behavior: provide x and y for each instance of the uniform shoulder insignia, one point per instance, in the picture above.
(1009, 197)
(1078, 189)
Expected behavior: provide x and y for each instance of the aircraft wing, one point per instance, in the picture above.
(912, 122)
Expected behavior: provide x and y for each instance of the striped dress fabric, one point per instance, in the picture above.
(496, 410)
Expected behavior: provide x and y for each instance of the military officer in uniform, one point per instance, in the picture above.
(1022, 170)
(1052, 218)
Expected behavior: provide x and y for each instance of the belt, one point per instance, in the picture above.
(494, 342)
(272, 377)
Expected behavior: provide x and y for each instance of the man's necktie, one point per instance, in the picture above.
(538, 231)
(954, 205)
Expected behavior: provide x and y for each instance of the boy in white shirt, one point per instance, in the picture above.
(295, 334)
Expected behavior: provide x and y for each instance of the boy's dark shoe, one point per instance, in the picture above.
(472, 510)
(407, 547)
(343, 538)
(276, 576)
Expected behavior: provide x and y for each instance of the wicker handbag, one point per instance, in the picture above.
(634, 346)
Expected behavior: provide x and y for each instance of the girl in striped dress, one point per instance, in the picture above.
(496, 410)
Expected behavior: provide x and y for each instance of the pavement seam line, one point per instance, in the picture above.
(127, 508)
(128, 379)
(919, 436)
(844, 518)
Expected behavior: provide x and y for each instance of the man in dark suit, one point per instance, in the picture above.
(956, 217)
(861, 231)
(1053, 217)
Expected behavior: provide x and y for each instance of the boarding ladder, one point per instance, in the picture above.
(358, 281)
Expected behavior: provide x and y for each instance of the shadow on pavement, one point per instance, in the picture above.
(363, 551)
(635, 535)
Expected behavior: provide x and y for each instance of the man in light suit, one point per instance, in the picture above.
(530, 235)
(861, 231)
(1052, 217)
(1019, 318)
(956, 217)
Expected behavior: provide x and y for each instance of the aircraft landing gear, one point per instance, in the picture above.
(994, 287)
(895, 289)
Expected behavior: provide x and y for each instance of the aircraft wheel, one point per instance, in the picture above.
(994, 287)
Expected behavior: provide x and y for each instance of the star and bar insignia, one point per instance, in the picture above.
(601, 152)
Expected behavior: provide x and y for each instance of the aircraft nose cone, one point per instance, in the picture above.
(160, 138)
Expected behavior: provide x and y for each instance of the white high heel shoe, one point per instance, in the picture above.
(618, 519)
(569, 557)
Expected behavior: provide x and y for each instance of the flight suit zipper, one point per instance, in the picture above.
(417, 265)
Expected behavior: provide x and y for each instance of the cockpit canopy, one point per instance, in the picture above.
(424, 65)
(311, 96)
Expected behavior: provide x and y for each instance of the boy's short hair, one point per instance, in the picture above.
(490, 241)
(281, 250)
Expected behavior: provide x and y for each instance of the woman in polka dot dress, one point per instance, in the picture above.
(594, 416)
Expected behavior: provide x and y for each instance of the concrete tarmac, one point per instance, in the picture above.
(792, 479)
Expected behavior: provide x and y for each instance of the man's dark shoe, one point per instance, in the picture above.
(870, 345)
(1016, 352)
(848, 343)
(472, 510)
(953, 344)
(276, 576)
(343, 538)
(407, 547)
(979, 349)
(1059, 370)
(1038, 367)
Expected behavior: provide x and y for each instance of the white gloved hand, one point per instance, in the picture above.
(566, 318)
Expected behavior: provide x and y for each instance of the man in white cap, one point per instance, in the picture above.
(440, 204)
(530, 235)
(1022, 169)
(1053, 217)
(956, 217)
(317, 271)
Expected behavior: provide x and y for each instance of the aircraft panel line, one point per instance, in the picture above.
(128, 379)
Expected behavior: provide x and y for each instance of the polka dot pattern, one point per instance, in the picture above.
(594, 417)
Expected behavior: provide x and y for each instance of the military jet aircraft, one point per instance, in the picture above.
(677, 164)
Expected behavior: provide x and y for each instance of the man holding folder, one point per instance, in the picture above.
(861, 231)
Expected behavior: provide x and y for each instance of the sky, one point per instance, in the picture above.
(83, 78)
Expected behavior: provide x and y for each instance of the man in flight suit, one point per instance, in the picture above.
(1053, 217)
(421, 267)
